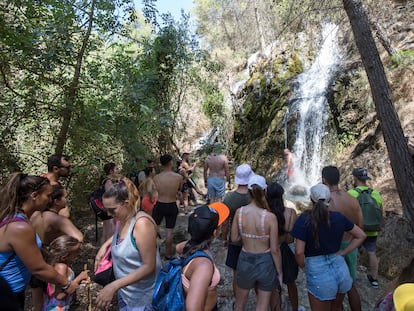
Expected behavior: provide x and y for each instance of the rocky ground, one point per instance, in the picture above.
(85, 221)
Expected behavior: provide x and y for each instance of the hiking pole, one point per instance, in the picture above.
(88, 290)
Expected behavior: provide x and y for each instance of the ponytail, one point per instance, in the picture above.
(123, 190)
(258, 196)
(319, 215)
(17, 190)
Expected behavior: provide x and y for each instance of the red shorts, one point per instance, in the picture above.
(147, 205)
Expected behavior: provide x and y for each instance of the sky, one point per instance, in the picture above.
(172, 6)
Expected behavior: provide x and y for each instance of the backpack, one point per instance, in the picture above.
(95, 202)
(371, 211)
(168, 292)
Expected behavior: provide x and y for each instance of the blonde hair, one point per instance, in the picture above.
(124, 190)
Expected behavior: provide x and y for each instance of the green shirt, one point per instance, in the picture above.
(375, 195)
(235, 200)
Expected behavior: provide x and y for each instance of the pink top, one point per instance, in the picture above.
(214, 281)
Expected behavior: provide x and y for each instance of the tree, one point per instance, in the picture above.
(401, 162)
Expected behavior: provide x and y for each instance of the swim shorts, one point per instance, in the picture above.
(351, 260)
(167, 210)
(216, 187)
(256, 271)
(326, 276)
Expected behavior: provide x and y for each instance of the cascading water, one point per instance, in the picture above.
(310, 106)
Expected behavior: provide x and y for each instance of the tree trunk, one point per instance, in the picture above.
(401, 162)
(72, 91)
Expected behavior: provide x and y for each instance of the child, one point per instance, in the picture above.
(62, 251)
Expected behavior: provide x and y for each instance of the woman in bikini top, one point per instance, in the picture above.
(201, 276)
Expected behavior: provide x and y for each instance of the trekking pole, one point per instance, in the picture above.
(88, 290)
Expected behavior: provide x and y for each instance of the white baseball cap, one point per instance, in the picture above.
(257, 180)
(320, 192)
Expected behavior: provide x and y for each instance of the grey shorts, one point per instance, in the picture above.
(256, 271)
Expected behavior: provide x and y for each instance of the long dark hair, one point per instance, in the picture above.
(318, 215)
(17, 190)
(274, 196)
(192, 246)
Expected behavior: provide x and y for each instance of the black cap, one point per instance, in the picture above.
(361, 173)
(202, 223)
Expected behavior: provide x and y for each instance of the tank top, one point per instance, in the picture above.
(52, 303)
(125, 259)
(15, 272)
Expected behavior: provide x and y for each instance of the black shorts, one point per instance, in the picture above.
(233, 252)
(167, 210)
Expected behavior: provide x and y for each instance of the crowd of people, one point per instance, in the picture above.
(266, 242)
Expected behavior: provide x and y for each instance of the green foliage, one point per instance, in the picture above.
(125, 102)
(403, 58)
(213, 106)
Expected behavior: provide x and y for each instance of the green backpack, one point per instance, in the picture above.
(371, 211)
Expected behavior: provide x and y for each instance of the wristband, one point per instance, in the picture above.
(66, 287)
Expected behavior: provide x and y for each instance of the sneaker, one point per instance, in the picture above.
(374, 283)
(301, 308)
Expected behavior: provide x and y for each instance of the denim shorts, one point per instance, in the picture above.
(326, 276)
(370, 244)
(256, 271)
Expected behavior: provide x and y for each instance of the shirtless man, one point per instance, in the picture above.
(216, 171)
(289, 165)
(168, 183)
(189, 170)
(344, 203)
(58, 165)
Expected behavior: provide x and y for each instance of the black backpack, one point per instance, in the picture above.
(95, 202)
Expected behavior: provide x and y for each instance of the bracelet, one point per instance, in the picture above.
(66, 287)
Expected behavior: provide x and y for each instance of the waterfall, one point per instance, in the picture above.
(310, 106)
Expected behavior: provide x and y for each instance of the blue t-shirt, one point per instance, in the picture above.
(330, 235)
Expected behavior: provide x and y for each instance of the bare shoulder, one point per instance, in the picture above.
(271, 217)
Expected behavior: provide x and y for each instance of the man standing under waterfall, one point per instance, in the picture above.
(289, 165)
(216, 171)
(347, 205)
